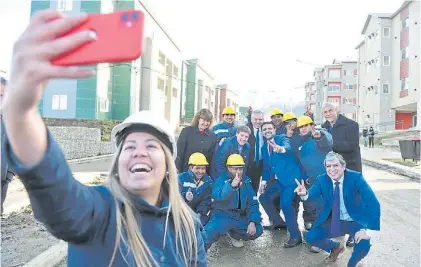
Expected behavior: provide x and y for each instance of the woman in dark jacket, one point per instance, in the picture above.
(139, 217)
(371, 134)
(196, 138)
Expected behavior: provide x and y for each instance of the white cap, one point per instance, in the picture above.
(147, 117)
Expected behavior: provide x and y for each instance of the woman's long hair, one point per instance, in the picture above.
(182, 217)
(205, 114)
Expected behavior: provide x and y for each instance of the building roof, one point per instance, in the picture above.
(196, 61)
(405, 4)
(379, 15)
(360, 44)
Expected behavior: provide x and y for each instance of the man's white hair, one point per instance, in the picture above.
(328, 105)
(256, 112)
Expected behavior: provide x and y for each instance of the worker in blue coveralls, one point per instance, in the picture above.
(276, 117)
(233, 145)
(311, 150)
(349, 207)
(196, 186)
(226, 128)
(236, 210)
(282, 168)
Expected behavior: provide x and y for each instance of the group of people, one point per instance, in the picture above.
(226, 171)
(166, 202)
(368, 136)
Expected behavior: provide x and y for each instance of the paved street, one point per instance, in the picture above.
(396, 245)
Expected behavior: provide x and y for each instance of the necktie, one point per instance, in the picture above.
(336, 220)
(257, 149)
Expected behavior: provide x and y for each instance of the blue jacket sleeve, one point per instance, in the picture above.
(247, 158)
(70, 210)
(325, 142)
(222, 155)
(285, 142)
(181, 187)
(222, 189)
(315, 190)
(201, 259)
(371, 203)
(205, 204)
(254, 213)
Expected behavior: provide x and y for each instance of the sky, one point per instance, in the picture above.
(252, 46)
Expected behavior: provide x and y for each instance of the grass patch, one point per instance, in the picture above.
(107, 127)
(98, 180)
(23, 210)
(409, 163)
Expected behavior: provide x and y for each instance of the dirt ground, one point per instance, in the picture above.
(22, 238)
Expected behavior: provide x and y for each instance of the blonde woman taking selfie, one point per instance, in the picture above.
(139, 217)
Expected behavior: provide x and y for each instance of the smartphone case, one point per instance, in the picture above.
(119, 38)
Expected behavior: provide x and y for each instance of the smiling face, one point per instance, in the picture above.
(257, 120)
(334, 169)
(330, 114)
(276, 119)
(242, 138)
(198, 170)
(229, 118)
(268, 131)
(141, 164)
(203, 124)
(305, 129)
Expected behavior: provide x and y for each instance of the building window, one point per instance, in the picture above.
(103, 105)
(59, 102)
(405, 23)
(65, 5)
(386, 32)
(348, 72)
(160, 84)
(405, 53)
(175, 73)
(334, 101)
(162, 58)
(349, 87)
(348, 100)
(334, 73)
(334, 88)
(174, 92)
(404, 84)
(385, 88)
(386, 61)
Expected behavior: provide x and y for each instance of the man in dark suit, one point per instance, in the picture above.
(254, 170)
(350, 207)
(346, 141)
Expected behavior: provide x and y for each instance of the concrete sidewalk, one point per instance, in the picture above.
(376, 156)
(84, 170)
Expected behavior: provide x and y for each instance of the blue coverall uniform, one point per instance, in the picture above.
(223, 130)
(286, 168)
(311, 153)
(229, 146)
(234, 209)
(202, 193)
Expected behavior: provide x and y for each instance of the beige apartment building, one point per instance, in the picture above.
(389, 69)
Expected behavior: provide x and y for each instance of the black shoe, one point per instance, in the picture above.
(275, 227)
(350, 242)
(293, 242)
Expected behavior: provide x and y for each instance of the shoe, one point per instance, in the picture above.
(314, 249)
(236, 243)
(274, 227)
(293, 242)
(335, 253)
(350, 242)
(308, 225)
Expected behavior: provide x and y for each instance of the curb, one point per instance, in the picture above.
(392, 168)
(51, 257)
(89, 159)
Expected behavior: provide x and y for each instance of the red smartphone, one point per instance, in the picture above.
(119, 37)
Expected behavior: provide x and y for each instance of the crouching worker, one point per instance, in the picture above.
(350, 207)
(236, 210)
(196, 186)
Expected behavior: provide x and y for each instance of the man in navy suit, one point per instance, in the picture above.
(350, 207)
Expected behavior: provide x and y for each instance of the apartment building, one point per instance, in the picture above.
(318, 76)
(199, 91)
(225, 97)
(310, 98)
(118, 90)
(389, 69)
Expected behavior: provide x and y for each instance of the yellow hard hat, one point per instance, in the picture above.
(304, 120)
(228, 111)
(277, 111)
(289, 116)
(198, 159)
(235, 160)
